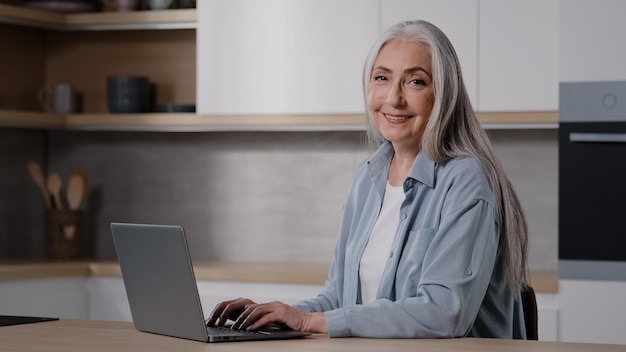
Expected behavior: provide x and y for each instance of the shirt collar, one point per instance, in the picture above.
(423, 169)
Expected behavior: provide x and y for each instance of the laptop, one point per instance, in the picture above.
(161, 286)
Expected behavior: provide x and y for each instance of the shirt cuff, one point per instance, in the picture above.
(337, 323)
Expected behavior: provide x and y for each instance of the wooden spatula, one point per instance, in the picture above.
(34, 169)
(54, 187)
(76, 189)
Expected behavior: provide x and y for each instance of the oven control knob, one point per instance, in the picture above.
(609, 101)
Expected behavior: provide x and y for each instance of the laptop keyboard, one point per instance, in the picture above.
(224, 331)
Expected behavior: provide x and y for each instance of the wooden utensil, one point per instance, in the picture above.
(76, 189)
(54, 187)
(34, 169)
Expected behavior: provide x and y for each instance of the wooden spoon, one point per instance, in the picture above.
(54, 187)
(76, 188)
(34, 169)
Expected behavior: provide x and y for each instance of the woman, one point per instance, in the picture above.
(433, 238)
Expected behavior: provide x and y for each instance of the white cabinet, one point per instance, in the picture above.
(458, 19)
(306, 56)
(592, 311)
(108, 301)
(548, 316)
(283, 56)
(592, 40)
(62, 298)
(519, 50)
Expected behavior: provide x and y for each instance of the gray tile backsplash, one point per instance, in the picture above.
(22, 213)
(250, 196)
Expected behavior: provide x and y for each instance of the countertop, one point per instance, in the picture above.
(83, 335)
(543, 281)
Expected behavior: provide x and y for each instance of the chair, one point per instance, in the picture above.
(529, 305)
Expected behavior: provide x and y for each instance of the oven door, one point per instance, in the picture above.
(592, 191)
(592, 180)
(592, 196)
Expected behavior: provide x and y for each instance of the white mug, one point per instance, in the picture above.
(59, 98)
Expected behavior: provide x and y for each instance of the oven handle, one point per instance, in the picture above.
(576, 137)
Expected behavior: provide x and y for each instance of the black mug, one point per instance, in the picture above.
(128, 94)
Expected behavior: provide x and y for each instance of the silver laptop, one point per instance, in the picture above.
(161, 286)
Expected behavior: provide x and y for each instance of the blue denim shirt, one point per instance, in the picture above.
(443, 276)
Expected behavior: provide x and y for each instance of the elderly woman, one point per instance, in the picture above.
(433, 238)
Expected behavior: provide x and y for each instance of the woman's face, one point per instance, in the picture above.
(400, 93)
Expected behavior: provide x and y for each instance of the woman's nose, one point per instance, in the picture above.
(395, 96)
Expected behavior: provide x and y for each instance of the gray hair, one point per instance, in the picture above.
(454, 131)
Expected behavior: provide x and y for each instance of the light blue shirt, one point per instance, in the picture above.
(443, 277)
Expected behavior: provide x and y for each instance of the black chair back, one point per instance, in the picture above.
(529, 304)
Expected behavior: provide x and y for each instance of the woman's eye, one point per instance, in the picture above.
(380, 78)
(418, 82)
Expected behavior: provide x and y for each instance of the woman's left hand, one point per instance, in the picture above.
(255, 316)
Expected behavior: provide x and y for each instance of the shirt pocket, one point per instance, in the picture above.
(410, 266)
(417, 243)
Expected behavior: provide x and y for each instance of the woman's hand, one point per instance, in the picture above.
(255, 316)
(227, 310)
(252, 316)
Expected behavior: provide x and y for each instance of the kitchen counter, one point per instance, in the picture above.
(83, 335)
(543, 281)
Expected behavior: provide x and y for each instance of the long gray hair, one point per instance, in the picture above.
(454, 131)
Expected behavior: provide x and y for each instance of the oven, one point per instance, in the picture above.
(592, 180)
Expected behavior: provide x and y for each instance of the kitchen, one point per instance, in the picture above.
(190, 171)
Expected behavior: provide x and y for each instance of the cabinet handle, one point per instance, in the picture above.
(597, 137)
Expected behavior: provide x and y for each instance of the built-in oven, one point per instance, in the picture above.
(592, 180)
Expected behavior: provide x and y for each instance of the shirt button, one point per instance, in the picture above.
(391, 254)
(403, 216)
(408, 183)
(468, 272)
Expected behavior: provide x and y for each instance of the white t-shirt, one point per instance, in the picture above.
(379, 243)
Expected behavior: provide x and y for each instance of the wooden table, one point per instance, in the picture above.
(88, 336)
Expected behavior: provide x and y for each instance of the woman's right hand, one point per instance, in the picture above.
(228, 310)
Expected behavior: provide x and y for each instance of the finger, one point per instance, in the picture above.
(238, 324)
(264, 314)
(253, 315)
(261, 321)
(225, 310)
(216, 313)
(274, 313)
(233, 310)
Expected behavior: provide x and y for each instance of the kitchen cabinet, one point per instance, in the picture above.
(283, 56)
(41, 48)
(108, 301)
(311, 81)
(519, 55)
(104, 298)
(508, 49)
(592, 311)
(53, 297)
(458, 19)
(592, 41)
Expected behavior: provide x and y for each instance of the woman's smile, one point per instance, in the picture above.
(394, 118)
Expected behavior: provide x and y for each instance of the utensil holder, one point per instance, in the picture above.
(64, 234)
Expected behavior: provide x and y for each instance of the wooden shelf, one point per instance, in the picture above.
(26, 119)
(519, 119)
(191, 122)
(163, 19)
